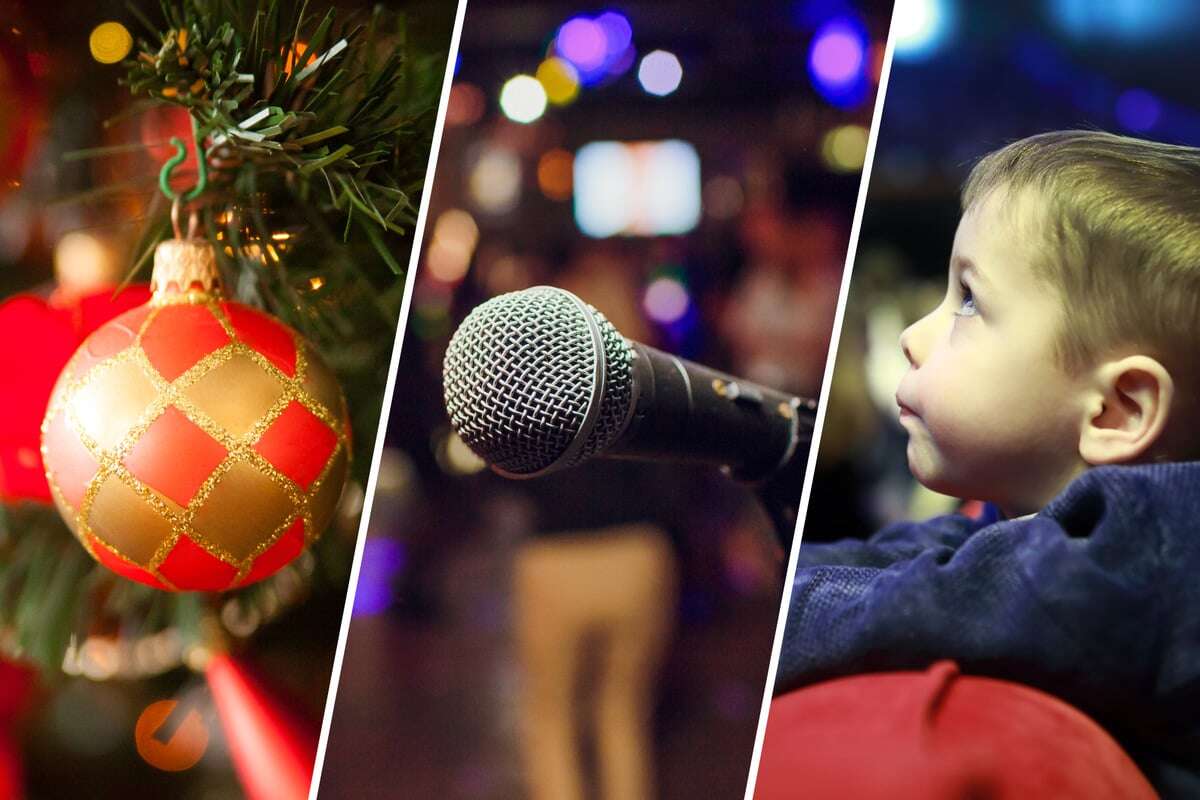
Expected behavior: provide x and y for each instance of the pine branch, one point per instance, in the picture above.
(277, 89)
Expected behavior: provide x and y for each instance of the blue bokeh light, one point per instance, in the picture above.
(812, 14)
(1129, 20)
(1138, 110)
(921, 28)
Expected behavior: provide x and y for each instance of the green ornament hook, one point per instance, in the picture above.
(164, 175)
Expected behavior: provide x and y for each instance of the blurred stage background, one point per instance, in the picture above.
(691, 172)
(966, 79)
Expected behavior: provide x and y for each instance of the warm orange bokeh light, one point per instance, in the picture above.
(182, 748)
(554, 174)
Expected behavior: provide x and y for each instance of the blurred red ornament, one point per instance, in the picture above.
(273, 746)
(39, 340)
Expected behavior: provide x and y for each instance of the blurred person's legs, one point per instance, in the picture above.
(615, 585)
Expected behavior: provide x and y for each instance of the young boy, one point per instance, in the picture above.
(1057, 380)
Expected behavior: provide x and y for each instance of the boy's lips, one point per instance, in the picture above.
(905, 409)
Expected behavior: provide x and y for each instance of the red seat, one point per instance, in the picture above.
(938, 734)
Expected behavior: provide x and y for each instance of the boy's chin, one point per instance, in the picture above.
(932, 474)
(922, 464)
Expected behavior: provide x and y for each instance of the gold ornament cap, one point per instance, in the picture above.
(185, 270)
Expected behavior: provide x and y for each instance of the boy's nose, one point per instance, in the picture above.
(912, 342)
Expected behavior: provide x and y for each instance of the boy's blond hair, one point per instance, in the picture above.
(1121, 218)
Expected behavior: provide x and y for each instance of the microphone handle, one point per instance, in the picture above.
(687, 411)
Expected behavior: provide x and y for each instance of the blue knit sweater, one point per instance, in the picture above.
(1096, 599)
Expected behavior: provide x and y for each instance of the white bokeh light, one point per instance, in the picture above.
(660, 73)
(523, 99)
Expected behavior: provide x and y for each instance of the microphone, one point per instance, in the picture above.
(538, 380)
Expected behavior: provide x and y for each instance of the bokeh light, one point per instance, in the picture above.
(447, 260)
(554, 174)
(837, 62)
(1138, 110)
(582, 42)
(599, 48)
(187, 740)
(875, 56)
(1124, 19)
(466, 105)
(621, 64)
(455, 458)
(295, 52)
(666, 300)
(920, 27)
(811, 14)
(837, 54)
(844, 148)
(660, 73)
(455, 235)
(638, 188)
(383, 559)
(523, 99)
(618, 33)
(494, 182)
(84, 264)
(559, 79)
(459, 225)
(110, 42)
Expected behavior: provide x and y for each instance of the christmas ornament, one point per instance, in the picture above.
(195, 443)
(272, 745)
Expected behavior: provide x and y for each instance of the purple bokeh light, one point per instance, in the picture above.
(582, 42)
(600, 48)
(383, 559)
(837, 62)
(620, 64)
(666, 300)
(837, 55)
(618, 33)
(1138, 110)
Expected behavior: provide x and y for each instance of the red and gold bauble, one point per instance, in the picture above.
(195, 443)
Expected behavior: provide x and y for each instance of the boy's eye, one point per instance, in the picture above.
(966, 303)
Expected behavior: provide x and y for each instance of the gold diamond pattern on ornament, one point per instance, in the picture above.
(258, 391)
(117, 508)
(244, 499)
(111, 403)
(137, 407)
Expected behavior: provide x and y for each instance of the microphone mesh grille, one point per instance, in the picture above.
(519, 373)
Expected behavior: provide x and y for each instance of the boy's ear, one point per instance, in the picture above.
(1127, 411)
